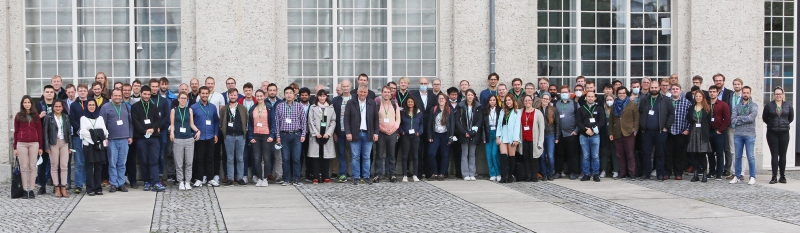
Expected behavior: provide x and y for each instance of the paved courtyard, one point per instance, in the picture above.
(562, 205)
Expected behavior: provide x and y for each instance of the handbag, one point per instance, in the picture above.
(16, 182)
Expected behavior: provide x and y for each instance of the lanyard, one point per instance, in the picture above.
(119, 115)
(205, 111)
(778, 109)
(158, 100)
(362, 108)
(93, 122)
(386, 110)
(508, 115)
(492, 117)
(81, 103)
(591, 112)
(47, 108)
(528, 116)
(289, 110)
(146, 110)
(675, 103)
(412, 120)
(259, 111)
(698, 114)
(182, 114)
(61, 126)
(232, 113)
(736, 99)
(402, 99)
(563, 106)
(653, 102)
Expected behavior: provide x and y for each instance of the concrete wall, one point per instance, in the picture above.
(4, 91)
(12, 54)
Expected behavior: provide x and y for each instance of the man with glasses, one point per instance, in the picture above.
(665, 91)
(491, 90)
(437, 86)
(697, 81)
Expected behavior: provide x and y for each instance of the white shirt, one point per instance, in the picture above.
(424, 97)
(492, 117)
(60, 126)
(362, 106)
(344, 104)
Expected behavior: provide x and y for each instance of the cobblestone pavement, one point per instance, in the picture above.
(195, 210)
(46, 213)
(401, 207)
(761, 200)
(605, 211)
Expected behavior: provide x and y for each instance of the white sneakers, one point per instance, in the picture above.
(469, 178)
(255, 178)
(198, 183)
(188, 186)
(261, 183)
(616, 174)
(415, 179)
(405, 178)
(182, 186)
(245, 179)
(466, 178)
(216, 178)
(653, 173)
(734, 180)
(752, 181)
(213, 183)
(493, 178)
(603, 174)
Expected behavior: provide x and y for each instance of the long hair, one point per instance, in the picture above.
(514, 106)
(445, 110)
(22, 113)
(487, 108)
(609, 109)
(704, 103)
(474, 100)
(551, 112)
(327, 97)
(411, 110)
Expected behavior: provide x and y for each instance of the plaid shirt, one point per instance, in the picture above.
(296, 114)
(681, 124)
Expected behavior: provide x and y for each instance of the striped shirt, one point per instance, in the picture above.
(681, 124)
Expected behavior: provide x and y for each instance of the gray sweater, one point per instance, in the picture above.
(743, 118)
(566, 123)
(109, 113)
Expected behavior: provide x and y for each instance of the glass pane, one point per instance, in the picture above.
(414, 51)
(379, 51)
(310, 68)
(398, 68)
(295, 68)
(429, 51)
(398, 51)
(428, 68)
(414, 68)
(588, 68)
(361, 51)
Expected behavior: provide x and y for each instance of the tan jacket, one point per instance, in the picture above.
(627, 123)
(223, 115)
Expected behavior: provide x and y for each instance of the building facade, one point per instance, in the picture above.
(326, 41)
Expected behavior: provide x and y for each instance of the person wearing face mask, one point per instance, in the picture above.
(567, 144)
(607, 149)
(657, 116)
(623, 130)
(455, 148)
(578, 95)
(636, 87)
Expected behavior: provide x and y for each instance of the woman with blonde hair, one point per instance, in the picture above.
(508, 137)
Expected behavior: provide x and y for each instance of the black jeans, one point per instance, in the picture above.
(93, 177)
(531, 163)
(409, 145)
(675, 156)
(130, 164)
(148, 150)
(716, 159)
(261, 153)
(778, 143)
(650, 139)
(319, 168)
(568, 148)
(204, 155)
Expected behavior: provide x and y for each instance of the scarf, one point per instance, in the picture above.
(619, 105)
(92, 115)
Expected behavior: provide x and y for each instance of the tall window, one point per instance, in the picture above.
(126, 39)
(330, 41)
(779, 47)
(603, 40)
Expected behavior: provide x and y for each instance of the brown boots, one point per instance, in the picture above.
(61, 191)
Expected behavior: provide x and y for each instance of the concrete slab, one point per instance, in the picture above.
(112, 211)
(527, 211)
(750, 223)
(790, 185)
(273, 208)
(613, 192)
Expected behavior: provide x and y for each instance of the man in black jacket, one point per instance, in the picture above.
(146, 125)
(361, 130)
(657, 115)
(425, 100)
(590, 117)
(726, 95)
(339, 104)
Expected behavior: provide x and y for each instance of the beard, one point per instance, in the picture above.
(653, 92)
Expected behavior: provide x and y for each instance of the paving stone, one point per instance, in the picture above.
(46, 213)
(177, 210)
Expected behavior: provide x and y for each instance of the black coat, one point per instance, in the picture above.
(430, 125)
(352, 117)
(337, 108)
(50, 128)
(778, 123)
(583, 116)
(463, 126)
(666, 112)
(487, 129)
(705, 122)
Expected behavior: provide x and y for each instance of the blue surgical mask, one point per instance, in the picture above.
(564, 96)
(423, 88)
(636, 90)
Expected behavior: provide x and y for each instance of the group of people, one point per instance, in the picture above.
(105, 132)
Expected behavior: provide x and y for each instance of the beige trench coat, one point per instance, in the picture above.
(314, 120)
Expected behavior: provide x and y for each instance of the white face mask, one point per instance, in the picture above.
(610, 103)
(636, 90)
(578, 94)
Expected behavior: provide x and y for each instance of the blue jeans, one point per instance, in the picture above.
(78, 162)
(234, 146)
(547, 166)
(440, 145)
(492, 153)
(342, 150)
(117, 156)
(745, 141)
(148, 152)
(361, 148)
(162, 143)
(650, 139)
(291, 149)
(590, 147)
(717, 157)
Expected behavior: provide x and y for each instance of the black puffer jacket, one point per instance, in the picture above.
(775, 122)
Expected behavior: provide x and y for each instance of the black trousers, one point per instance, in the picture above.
(700, 161)
(778, 143)
(422, 152)
(93, 177)
(319, 167)
(204, 155)
(569, 151)
(130, 164)
(455, 151)
(409, 151)
(219, 153)
(675, 155)
(531, 163)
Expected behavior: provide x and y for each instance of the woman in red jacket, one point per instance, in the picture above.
(27, 143)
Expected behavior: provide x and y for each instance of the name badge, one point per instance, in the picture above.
(474, 128)
(712, 119)
(208, 122)
(260, 124)
(119, 122)
(288, 121)
(651, 112)
(527, 128)
(183, 130)
(230, 124)
(146, 121)
(323, 124)
(595, 113)
(159, 114)
(591, 120)
(561, 116)
(411, 131)
(493, 128)
(385, 120)
(697, 125)
(401, 108)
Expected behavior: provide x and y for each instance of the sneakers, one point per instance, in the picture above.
(204, 180)
(734, 180)
(284, 183)
(415, 179)
(752, 181)
(603, 174)
(717, 177)
(112, 189)
(298, 184)
(243, 181)
(782, 180)
(158, 187)
(198, 183)
(182, 186)
(315, 181)
(122, 189)
(615, 175)
(216, 178)
(259, 182)
(327, 181)
(355, 181)
(146, 186)
(213, 183)
(393, 179)
(342, 178)
(466, 178)
(369, 181)
(585, 178)
(188, 185)
(78, 190)
(492, 178)
(405, 179)
(596, 178)
(653, 173)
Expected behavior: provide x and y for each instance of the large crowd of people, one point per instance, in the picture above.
(97, 136)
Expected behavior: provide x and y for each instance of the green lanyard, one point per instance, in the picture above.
(119, 115)
(698, 114)
(508, 115)
(743, 110)
(653, 102)
(158, 100)
(563, 106)
(289, 110)
(362, 108)
(675, 103)
(591, 112)
(205, 111)
(259, 111)
(231, 112)
(778, 109)
(736, 99)
(93, 122)
(412, 120)
(182, 114)
(47, 108)
(146, 110)
(61, 126)
(402, 99)
(386, 111)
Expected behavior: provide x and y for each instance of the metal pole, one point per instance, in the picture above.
(491, 37)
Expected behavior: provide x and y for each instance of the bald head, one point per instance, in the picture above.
(319, 87)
